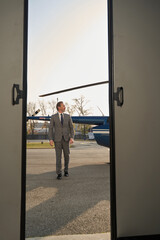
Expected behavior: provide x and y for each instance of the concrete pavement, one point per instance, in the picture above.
(97, 236)
(78, 205)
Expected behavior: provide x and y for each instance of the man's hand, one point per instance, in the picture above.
(51, 142)
(71, 141)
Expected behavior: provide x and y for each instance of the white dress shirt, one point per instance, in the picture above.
(60, 116)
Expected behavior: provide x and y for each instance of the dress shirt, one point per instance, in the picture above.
(60, 116)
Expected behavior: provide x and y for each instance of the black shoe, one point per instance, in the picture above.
(59, 177)
(66, 174)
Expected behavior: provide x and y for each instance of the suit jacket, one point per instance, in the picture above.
(57, 130)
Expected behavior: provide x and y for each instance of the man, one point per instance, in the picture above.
(61, 133)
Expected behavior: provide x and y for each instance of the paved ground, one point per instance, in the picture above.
(96, 236)
(75, 205)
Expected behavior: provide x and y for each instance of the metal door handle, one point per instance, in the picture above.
(18, 92)
(119, 96)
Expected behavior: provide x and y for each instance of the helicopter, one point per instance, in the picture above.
(101, 130)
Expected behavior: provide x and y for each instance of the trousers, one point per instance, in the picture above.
(59, 146)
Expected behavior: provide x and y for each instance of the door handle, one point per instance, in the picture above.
(16, 94)
(119, 96)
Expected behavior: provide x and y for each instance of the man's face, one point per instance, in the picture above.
(62, 107)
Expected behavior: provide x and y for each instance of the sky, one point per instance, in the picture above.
(68, 47)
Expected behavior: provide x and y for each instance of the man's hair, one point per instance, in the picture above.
(59, 104)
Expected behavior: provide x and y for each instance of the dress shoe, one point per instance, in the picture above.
(66, 174)
(59, 177)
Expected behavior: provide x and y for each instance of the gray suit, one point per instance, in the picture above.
(61, 135)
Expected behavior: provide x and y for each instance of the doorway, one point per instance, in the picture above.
(58, 33)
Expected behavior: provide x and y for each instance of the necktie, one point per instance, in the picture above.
(61, 118)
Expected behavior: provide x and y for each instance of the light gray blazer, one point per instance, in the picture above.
(56, 130)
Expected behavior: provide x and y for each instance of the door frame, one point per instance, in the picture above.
(24, 129)
(111, 113)
(112, 123)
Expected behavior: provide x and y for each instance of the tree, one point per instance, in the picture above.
(69, 108)
(31, 108)
(52, 106)
(80, 106)
(44, 111)
(43, 107)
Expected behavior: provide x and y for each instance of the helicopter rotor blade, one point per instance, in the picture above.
(75, 88)
(100, 111)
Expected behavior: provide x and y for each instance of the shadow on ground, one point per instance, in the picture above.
(75, 205)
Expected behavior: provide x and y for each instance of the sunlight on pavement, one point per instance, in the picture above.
(38, 196)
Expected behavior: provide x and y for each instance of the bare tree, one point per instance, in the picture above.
(44, 111)
(52, 106)
(70, 108)
(80, 106)
(43, 107)
(31, 109)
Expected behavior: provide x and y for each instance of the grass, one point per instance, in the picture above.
(39, 145)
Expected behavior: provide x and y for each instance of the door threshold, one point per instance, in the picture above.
(97, 236)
